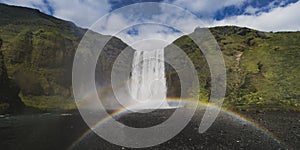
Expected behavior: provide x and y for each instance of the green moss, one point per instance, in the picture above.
(56, 102)
(38, 53)
(262, 68)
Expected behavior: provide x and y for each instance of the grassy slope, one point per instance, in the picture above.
(38, 51)
(262, 68)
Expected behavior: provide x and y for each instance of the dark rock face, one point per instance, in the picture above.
(107, 58)
(3, 72)
(173, 82)
(9, 99)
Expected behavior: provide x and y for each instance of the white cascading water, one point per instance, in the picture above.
(148, 81)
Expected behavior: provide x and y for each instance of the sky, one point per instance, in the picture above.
(166, 20)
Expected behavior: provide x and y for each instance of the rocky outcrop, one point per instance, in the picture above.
(38, 55)
(9, 99)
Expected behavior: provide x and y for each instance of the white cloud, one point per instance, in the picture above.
(149, 34)
(154, 26)
(277, 19)
(83, 13)
(112, 24)
(251, 10)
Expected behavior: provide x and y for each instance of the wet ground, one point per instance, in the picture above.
(268, 130)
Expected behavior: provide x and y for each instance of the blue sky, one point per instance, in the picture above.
(265, 15)
(227, 11)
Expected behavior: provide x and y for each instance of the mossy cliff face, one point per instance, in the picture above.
(262, 68)
(9, 99)
(38, 51)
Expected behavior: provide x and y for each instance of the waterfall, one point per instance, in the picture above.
(148, 81)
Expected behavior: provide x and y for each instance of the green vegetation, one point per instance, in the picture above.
(37, 53)
(262, 68)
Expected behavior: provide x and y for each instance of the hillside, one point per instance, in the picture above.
(262, 68)
(37, 53)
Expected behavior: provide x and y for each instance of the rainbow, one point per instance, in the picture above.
(203, 105)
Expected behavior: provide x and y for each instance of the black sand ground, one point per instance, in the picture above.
(56, 131)
(227, 132)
